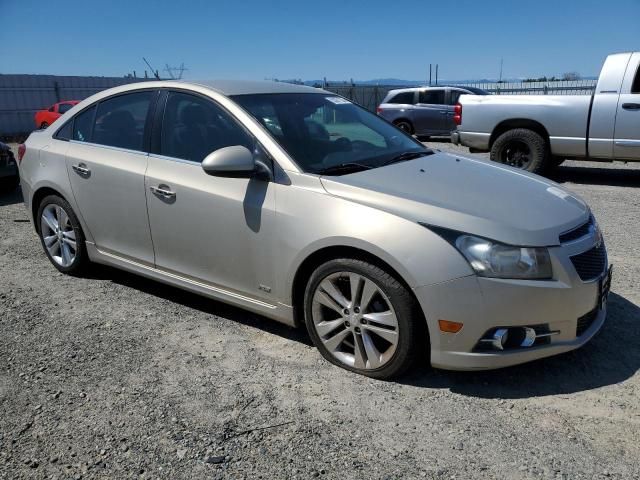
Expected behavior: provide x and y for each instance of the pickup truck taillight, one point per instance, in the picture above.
(378, 110)
(457, 114)
(21, 151)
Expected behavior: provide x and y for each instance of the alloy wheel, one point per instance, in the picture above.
(355, 320)
(516, 154)
(58, 235)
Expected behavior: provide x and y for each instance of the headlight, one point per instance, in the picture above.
(489, 258)
(492, 259)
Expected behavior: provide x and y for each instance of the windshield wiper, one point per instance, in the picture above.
(407, 156)
(348, 167)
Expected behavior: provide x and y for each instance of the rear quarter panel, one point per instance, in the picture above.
(44, 166)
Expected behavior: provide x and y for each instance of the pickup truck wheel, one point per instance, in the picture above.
(521, 148)
(43, 125)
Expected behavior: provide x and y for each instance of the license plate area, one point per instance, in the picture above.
(604, 287)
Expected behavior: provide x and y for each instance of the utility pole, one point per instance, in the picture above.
(436, 74)
(501, 61)
(170, 71)
(429, 74)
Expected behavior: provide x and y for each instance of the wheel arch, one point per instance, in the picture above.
(37, 198)
(324, 254)
(514, 123)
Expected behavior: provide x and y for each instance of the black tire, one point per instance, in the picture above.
(9, 184)
(404, 125)
(44, 125)
(81, 260)
(557, 161)
(412, 332)
(521, 148)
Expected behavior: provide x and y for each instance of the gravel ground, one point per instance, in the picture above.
(115, 376)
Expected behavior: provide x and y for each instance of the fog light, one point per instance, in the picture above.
(500, 337)
(449, 327)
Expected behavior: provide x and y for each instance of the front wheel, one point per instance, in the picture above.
(44, 125)
(521, 148)
(363, 319)
(61, 235)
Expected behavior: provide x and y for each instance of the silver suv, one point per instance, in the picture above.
(294, 203)
(424, 111)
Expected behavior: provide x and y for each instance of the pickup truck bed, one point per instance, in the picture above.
(533, 131)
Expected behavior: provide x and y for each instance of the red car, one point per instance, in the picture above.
(44, 118)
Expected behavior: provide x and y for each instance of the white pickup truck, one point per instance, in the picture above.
(536, 132)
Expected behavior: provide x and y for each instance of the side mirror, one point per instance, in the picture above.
(236, 161)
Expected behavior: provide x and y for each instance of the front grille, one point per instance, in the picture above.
(578, 232)
(590, 264)
(585, 321)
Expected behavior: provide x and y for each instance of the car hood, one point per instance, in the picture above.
(474, 196)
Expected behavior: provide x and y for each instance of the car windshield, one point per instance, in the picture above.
(326, 134)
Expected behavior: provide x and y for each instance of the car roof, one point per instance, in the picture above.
(247, 87)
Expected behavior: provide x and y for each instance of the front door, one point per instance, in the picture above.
(106, 162)
(429, 113)
(626, 142)
(214, 230)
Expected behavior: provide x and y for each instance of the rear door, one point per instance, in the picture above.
(106, 162)
(627, 130)
(430, 112)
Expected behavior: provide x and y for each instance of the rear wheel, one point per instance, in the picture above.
(44, 125)
(363, 319)
(61, 235)
(404, 125)
(521, 148)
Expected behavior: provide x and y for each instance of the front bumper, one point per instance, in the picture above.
(483, 304)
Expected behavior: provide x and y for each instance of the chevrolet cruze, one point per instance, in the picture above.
(294, 203)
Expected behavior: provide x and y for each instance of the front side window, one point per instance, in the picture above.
(64, 107)
(431, 97)
(406, 98)
(193, 127)
(322, 131)
(83, 124)
(120, 121)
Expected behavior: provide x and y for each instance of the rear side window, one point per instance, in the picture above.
(635, 87)
(65, 132)
(454, 95)
(193, 127)
(432, 97)
(64, 107)
(120, 121)
(406, 98)
(83, 124)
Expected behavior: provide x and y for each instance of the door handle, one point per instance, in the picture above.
(631, 106)
(81, 169)
(163, 192)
